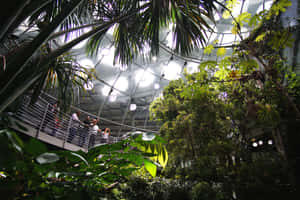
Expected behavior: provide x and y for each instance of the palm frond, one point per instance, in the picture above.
(126, 43)
(154, 17)
(63, 75)
(94, 43)
(189, 32)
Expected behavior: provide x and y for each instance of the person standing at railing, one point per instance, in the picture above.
(50, 119)
(95, 130)
(75, 124)
(84, 131)
(106, 135)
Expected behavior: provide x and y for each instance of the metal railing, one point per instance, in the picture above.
(45, 119)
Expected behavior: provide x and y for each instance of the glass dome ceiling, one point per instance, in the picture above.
(123, 93)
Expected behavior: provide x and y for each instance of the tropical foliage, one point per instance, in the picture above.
(137, 23)
(219, 120)
(30, 170)
(231, 128)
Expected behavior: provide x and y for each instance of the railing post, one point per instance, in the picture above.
(42, 122)
(87, 141)
(68, 131)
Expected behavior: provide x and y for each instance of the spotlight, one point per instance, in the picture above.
(254, 144)
(270, 142)
(156, 86)
(132, 107)
(260, 142)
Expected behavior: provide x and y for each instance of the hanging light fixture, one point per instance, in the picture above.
(270, 142)
(254, 144)
(132, 107)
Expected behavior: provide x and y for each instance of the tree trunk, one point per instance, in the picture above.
(19, 61)
(10, 78)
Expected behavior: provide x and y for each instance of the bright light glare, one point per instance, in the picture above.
(121, 84)
(170, 42)
(260, 142)
(192, 67)
(112, 98)
(104, 52)
(144, 79)
(236, 11)
(107, 56)
(267, 6)
(111, 30)
(132, 107)
(156, 86)
(123, 68)
(270, 142)
(154, 58)
(87, 63)
(172, 70)
(254, 144)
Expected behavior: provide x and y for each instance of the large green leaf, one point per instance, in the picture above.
(150, 167)
(148, 136)
(81, 157)
(14, 139)
(46, 158)
(163, 157)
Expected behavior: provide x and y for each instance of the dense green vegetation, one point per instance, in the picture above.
(211, 118)
(30, 170)
(219, 120)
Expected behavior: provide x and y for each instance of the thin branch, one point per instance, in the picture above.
(55, 35)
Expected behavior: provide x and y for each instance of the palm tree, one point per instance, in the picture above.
(138, 22)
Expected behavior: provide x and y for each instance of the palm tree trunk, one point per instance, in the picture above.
(10, 78)
(20, 60)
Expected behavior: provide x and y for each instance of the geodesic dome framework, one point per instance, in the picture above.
(123, 93)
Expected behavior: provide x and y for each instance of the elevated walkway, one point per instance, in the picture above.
(38, 121)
